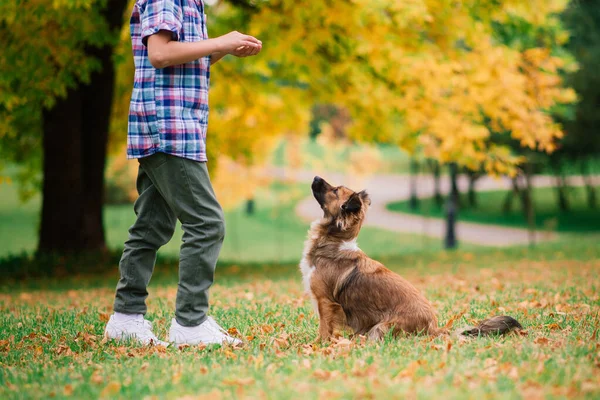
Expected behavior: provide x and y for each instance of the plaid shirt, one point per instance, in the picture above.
(169, 106)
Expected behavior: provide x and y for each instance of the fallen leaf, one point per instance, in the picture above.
(68, 390)
(454, 318)
(541, 340)
(233, 331)
(111, 389)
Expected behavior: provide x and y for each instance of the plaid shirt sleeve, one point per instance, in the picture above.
(160, 15)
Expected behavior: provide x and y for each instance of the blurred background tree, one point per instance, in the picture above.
(468, 82)
(57, 80)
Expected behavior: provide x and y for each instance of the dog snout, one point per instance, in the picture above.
(317, 183)
(318, 188)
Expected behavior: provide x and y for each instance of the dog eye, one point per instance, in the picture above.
(335, 191)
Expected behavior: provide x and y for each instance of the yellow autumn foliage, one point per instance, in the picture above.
(430, 76)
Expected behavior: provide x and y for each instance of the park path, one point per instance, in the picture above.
(384, 189)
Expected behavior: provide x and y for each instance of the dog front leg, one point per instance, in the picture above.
(331, 316)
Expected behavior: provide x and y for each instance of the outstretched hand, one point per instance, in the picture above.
(246, 51)
(239, 45)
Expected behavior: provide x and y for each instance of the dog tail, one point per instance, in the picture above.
(498, 325)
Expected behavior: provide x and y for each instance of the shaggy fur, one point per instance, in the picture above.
(348, 289)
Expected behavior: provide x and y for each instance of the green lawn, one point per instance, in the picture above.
(272, 234)
(51, 338)
(580, 218)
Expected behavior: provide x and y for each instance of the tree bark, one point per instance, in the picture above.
(75, 135)
(62, 205)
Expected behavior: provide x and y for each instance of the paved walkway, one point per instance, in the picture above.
(385, 189)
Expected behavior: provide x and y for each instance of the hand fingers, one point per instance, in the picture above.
(250, 44)
(251, 39)
(243, 51)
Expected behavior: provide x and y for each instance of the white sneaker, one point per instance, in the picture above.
(138, 329)
(209, 332)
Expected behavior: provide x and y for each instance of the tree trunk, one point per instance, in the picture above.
(450, 241)
(525, 196)
(561, 195)
(250, 206)
(472, 194)
(454, 193)
(414, 171)
(563, 202)
(591, 191)
(437, 193)
(62, 205)
(75, 139)
(507, 203)
(528, 207)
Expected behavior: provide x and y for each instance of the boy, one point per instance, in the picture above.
(167, 134)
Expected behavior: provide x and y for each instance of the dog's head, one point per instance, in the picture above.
(343, 208)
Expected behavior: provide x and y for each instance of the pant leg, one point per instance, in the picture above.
(153, 228)
(185, 185)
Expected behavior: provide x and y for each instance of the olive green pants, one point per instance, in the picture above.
(172, 188)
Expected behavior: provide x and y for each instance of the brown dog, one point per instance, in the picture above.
(350, 289)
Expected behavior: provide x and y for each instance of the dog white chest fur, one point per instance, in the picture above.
(307, 269)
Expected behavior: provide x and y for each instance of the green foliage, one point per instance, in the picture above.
(43, 56)
(583, 129)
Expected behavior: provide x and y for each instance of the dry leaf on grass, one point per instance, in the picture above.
(541, 340)
(111, 389)
(68, 390)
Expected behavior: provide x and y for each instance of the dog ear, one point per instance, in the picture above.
(353, 204)
(364, 196)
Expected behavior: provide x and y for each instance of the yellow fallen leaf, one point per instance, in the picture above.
(111, 389)
(68, 390)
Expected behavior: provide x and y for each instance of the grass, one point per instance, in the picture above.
(51, 344)
(272, 234)
(579, 218)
